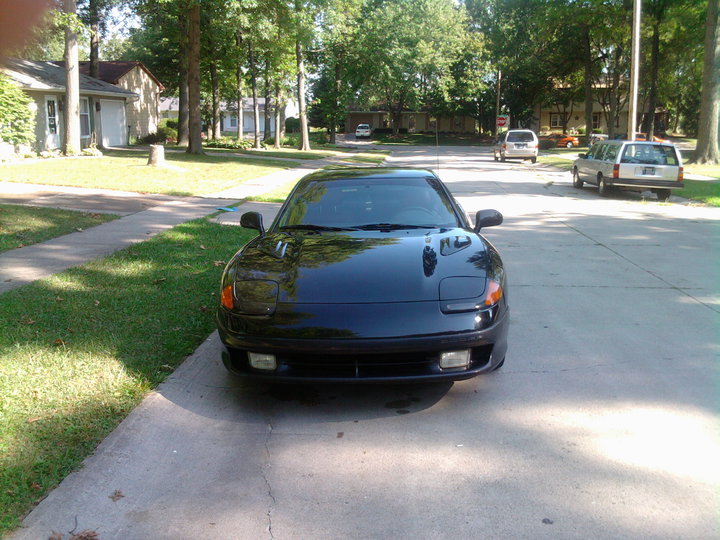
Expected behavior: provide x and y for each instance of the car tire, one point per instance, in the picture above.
(500, 364)
(663, 195)
(533, 159)
(603, 189)
(495, 156)
(502, 157)
(569, 145)
(577, 183)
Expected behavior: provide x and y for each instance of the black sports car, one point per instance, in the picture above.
(367, 274)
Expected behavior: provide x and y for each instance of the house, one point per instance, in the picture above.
(142, 115)
(170, 107)
(550, 119)
(412, 121)
(102, 105)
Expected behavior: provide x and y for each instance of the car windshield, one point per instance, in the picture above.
(519, 136)
(649, 154)
(362, 203)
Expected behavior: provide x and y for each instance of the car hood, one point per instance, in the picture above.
(369, 267)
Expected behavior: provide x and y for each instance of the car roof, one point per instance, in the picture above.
(367, 173)
(626, 141)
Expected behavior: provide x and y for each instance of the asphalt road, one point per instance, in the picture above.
(603, 423)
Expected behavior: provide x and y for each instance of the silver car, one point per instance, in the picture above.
(516, 143)
(630, 165)
(363, 130)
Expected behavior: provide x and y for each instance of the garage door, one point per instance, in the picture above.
(112, 118)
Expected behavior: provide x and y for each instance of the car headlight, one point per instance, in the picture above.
(250, 297)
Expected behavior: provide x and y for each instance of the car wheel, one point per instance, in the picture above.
(495, 156)
(663, 195)
(577, 183)
(603, 189)
(533, 159)
(569, 145)
(500, 364)
(502, 157)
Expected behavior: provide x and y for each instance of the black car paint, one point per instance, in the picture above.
(365, 298)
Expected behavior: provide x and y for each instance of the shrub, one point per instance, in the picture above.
(163, 135)
(17, 120)
(228, 142)
(172, 123)
(292, 125)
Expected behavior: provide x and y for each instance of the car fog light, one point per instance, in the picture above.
(455, 359)
(265, 362)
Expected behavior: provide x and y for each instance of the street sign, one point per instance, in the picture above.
(503, 120)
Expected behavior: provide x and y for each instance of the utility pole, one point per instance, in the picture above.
(634, 70)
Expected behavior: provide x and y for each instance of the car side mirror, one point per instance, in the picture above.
(252, 220)
(487, 218)
(582, 156)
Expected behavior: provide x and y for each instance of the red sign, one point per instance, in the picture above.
(502, 121)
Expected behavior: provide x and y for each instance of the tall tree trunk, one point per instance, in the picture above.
(336, 104)
(193, 64)
(707, 150)
(183, 112)
(589, 98)
(183, 109)
(94, 39)
(268, 101)
(304, 132)
(239, 80)
(256, 105)
(649, 125)
(216, 133)
(278, 115)
(71, 140)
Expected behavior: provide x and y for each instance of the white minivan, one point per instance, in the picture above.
(630, 165)
(516, 143)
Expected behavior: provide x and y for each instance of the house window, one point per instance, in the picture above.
(556, 120)
(84, 118)
(596, 120)
(233, 121)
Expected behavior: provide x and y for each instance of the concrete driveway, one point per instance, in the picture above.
(603, 423)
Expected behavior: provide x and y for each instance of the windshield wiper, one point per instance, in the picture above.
(392, 226)
(311, 227)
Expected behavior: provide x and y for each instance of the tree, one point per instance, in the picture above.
(71, 139)
(408, 49)
(193, 66)
(17, 120)
(707, 146)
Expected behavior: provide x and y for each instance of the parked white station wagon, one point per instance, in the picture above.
(630, 165)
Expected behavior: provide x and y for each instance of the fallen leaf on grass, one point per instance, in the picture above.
(59, 342)
(165, 367)
(27, 321)
(35, 486)
(78, 229)
(159, 280)
(116, 495)
(59, 299)
(218, 263)
(202, 247)
(35, 419)
(97, 302)
(203, 308)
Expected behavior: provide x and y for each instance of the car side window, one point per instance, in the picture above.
(597, 151)
(611, 153)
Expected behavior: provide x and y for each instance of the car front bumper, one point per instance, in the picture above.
(368, 360)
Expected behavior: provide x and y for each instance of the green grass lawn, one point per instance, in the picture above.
(698, 190)
(127, 170)
(289, 153)
(376, 157)
(79, 350)
(26, 225)
(555, 160)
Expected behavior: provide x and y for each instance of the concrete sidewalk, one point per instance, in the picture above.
(143, 216)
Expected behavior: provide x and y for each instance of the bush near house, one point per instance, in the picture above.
(17, 120)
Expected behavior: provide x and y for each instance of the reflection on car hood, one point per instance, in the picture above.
(363, 266)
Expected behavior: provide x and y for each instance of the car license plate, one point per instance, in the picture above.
(648, 171)
(520, 145)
